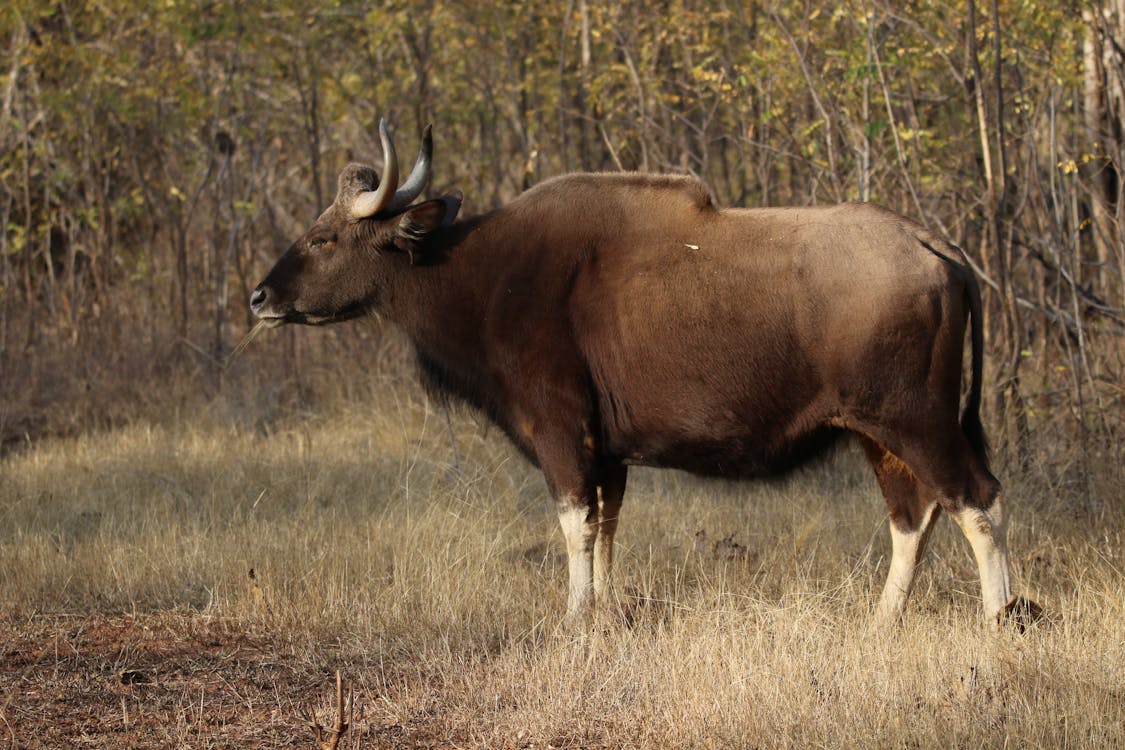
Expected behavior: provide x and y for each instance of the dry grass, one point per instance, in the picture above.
(432, 574)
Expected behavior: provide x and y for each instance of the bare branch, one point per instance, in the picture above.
(329, 739)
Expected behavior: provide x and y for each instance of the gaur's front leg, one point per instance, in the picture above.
(567, 459)
(611, 491)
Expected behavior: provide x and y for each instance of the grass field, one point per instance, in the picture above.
(418, 555)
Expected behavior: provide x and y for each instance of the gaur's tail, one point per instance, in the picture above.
(970, 417)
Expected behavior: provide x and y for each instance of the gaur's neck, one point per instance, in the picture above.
(441, 301)
(443, 288)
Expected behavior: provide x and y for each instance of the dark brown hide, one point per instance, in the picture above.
(612, 319)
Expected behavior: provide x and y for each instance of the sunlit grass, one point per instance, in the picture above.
(741, 615)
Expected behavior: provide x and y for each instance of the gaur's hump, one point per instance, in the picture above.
(679, 190)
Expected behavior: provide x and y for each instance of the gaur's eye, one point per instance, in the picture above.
(320, 243)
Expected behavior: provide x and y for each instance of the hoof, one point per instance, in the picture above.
(576, 623)
(1020, 614)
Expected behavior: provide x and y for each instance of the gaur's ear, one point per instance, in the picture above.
(418, 221)
(452, 206)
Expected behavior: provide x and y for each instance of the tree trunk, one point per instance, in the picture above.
(1104, 112)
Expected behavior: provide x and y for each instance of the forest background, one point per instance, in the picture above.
(155, 158)
(194, 539)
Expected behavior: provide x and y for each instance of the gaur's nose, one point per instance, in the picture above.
(257, 299)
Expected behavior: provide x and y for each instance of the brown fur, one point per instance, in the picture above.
(607, 320)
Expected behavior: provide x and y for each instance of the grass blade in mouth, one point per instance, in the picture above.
(250, 336)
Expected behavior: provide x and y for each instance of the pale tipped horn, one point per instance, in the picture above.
(371, 202)
(419, 176)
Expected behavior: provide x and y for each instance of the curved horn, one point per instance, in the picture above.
(419, 176)
(371, 202)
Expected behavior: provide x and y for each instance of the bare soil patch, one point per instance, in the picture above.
(173, 679)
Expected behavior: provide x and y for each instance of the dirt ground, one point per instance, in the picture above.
(183, 679)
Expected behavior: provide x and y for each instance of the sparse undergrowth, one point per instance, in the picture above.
(431, 573)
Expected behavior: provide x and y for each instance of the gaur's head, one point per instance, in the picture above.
(338, 268)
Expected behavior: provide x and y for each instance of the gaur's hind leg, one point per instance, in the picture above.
(986, 528)
(913, 508)
(966, 489)
(611, 491)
